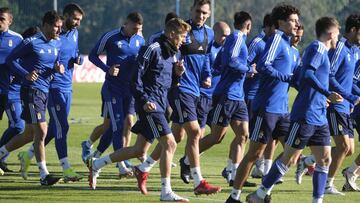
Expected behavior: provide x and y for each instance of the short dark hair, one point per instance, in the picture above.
(51, 17)
(201, 2)
(135, 17)
(267, 22)
(170, 16)
(70, 8)
(323, 24)
(30, 31)
(352, 21)
(240, 18)
(6, 10)
(282, 12)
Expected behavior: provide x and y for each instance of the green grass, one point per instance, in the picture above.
(83, 117)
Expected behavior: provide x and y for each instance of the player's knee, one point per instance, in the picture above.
(351, 151)
(171, 146)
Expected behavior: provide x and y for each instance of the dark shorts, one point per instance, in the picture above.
(129, 105)
(265, 125)
(356, 125)
(34, 103)
(340, 124)
(302, 134)
(249, 104)
(225, 110)
(184, 107)
(203, 109)
(3, 101)
(151, 125)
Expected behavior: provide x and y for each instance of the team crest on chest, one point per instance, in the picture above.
(137, 43)
(42, 51)
(119, 44)
(10, 43)
(74, 38)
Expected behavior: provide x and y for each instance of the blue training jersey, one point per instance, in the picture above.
(120, 49)
(68, 54)
(234, 66)
(153, 77)
(38, 54)
(214, 50)
(341, 75)
(275, 69)
(313, 80)
(8, 41)
(256, 48)
(197, 65)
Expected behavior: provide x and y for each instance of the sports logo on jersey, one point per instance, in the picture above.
(137, 43)
(201, 48)
(55, 52)
(38, 115)
(119, 44)
(10, 43)
(58, 108)
(49, 51)
(42, 51)
(297, 141)
(159, 127)
(261, 134)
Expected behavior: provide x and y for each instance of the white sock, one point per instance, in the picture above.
(165, 185)
(262, 191)
(3, 152)
(196, 174)
(317, 200)
(330, 182)
(97, 154)
(43, 169)
(147, 165)
(101, 162)
(186, 161)
(229, 165)
(353, 168)
(267, 165)
(260, 164)
(89, 143)
(233, 171)
(309, 160)
(235, 194)
(64, 162)
(31, 152)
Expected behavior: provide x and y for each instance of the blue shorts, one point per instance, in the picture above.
(129, 105)
(356, 125)
(226, 110)
(340, 124)
(151, 125)
(34, 105)
(203, 109)
(113, 109)
(3, 101)
(265, 125)
(184, 107)
(249, 104)
(302, 134)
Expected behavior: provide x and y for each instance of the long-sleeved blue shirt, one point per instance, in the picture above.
(197, 65)
(68, 55)
(275, 69)
(39, 54)
(256, 48)
(313, 79)
(120, 49)
(153, 77)
(214, 50)
(343, 61)
(8, 41)
(234, 66)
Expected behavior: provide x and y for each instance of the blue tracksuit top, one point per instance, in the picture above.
(275, 69)
(120, 49)
(8, 41)
(39, 54)
(234, 66)
(197, 65)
